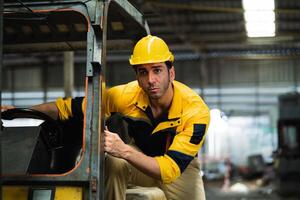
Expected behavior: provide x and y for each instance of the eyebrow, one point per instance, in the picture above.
(153, 67)
(140, 69)
(157, 66)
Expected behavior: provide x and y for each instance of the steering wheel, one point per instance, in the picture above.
(51, 131)
(49, 144)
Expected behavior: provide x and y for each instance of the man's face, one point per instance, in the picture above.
(155, 79)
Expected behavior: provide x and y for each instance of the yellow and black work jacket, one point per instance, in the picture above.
(173, 140)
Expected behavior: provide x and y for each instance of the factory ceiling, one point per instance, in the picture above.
(217, 27)
(196, 29)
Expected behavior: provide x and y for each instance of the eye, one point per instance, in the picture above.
(157, 70)
(142, 72)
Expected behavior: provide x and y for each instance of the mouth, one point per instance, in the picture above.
(153, 89)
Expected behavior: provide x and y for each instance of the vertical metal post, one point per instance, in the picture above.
(295, 74)
(96, 129)
(203, 74)
(219, 84)
(97, 155)
(13, 85)
(68, 73)
(93, 112)
(102, 175)
(1, 42)
(89, 108)
(44, 74)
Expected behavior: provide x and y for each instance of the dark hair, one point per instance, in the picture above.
(135, 68)
(169, 64)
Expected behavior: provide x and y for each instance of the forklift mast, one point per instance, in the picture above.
(69, 25)
(1, 41)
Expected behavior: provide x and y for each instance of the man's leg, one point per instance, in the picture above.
(188, 186)
(138, 178)
(150, 187)
(117, 173)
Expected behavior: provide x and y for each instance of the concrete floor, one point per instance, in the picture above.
(242, 190)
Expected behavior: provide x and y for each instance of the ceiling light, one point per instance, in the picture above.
(260, 29)
(258, 4)
(260, 18)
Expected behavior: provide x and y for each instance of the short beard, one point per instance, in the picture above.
(164, 89)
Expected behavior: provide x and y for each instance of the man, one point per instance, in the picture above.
(166, 120)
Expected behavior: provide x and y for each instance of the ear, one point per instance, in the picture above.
(172, 74)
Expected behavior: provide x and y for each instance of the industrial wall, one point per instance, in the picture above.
(239, 86)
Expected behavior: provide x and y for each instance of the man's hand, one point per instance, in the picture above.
(49, 108)
(5, 108)
(113, 144)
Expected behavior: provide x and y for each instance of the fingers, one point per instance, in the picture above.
(108, 140)
(108, 133)
(4, 108)
(112, 143)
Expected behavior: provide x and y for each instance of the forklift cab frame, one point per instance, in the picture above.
(56, 25)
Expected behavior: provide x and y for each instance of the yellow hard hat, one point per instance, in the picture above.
(150, 49)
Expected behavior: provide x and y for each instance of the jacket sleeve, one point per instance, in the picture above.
(74, 107)
(113, 99)
(185, 145)
(68, 108)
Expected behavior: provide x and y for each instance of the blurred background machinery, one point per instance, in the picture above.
(248, 77)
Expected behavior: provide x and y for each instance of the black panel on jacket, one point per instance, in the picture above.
(150, 144)
(72, 137)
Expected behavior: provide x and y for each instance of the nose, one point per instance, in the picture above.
(151, 77)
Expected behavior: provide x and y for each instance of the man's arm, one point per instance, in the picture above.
(5, 108)
(114, 146)
(49, 109)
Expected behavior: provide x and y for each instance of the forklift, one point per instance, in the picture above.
(36, 161)
(287, 158)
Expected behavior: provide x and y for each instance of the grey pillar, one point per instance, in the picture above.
(68, 73)
(1, 41)
(203, 75)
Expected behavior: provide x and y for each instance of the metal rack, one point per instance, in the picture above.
(35, 26)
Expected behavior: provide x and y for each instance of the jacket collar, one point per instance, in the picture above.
(142, 101)
(175, 110)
